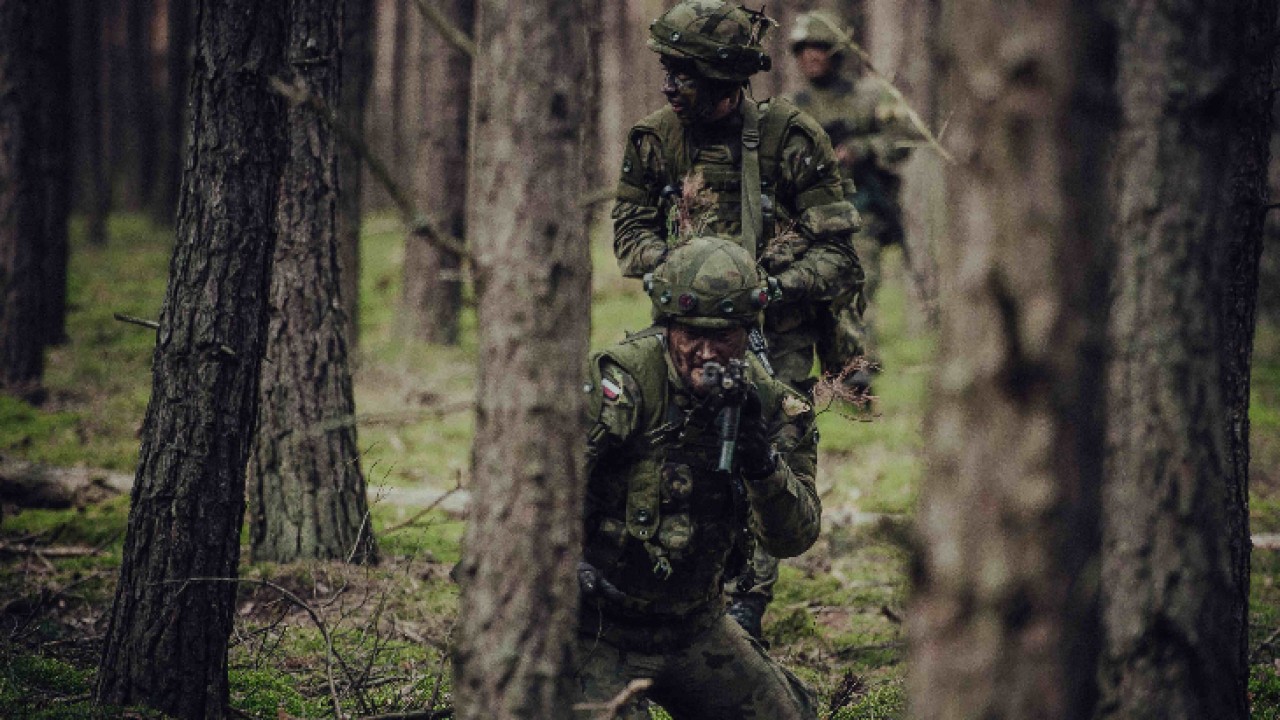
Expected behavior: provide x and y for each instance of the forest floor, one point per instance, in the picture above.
(837, 620)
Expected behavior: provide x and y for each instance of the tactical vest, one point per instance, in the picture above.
(665, 524)
(720, 163)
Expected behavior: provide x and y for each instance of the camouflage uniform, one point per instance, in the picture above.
(663, 527)
(806, 221)
(869, 123)
(801, 190)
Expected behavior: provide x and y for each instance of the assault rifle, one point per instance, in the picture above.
(729, 386)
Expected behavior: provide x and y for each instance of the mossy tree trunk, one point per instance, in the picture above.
(306, 489)
(532, 272)
(432, 301)
(166, 645)
(1003, 623)
(1190, 181)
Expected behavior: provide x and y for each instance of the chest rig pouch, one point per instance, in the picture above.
(675, 505)
(727, 165)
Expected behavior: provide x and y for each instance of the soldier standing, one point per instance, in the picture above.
(871, 135)
(676, 500)
(774, 185)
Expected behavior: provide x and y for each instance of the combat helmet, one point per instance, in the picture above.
(722, 40)
(709, 281)
(818, 28)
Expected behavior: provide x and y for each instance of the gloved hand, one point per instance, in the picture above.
(757, 458)
(796, 284)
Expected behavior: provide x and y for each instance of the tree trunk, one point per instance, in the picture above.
(22, 200)
(399, 79)
(532, 272)
(1190, 183)
(166, 645)
(306, 490)
(1255, 33)
(177, 74)
(56, 133)
(131, 107)
(432, 298)
(1004, 618)
(357, 75)
(88, 74)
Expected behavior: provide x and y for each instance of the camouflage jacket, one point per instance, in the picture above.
(802, 192)
(663, 528)
(867, 121)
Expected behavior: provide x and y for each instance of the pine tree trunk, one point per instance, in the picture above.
(178, 63)
(357, 76)
(56, 133)
(22, 201)
(306, 490)
(1004, 618)
(432, 298)
(532, 271)
(1191, 166)
(88, 70)
(1244, 227)
(166, 645)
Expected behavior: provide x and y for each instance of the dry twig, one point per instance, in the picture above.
(609, 710)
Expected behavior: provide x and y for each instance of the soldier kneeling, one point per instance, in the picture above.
(677, 500)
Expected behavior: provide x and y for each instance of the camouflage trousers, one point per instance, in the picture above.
(721, 675)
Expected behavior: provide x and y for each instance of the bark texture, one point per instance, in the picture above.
(166, 645)
(1004, 617)
(306, 490)
(22, 200)
(1190, 181)
(357, 76)
(532, 273)
(432, 299)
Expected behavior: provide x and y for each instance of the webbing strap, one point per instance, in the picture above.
(752, 215)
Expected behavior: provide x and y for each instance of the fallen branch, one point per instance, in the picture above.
(611, 708)
(424, 511)
(56, 551)
(1253, 656)
(440, 714)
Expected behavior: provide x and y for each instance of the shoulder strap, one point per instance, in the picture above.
(752, 215)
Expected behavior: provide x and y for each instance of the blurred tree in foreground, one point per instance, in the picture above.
(1004, 617)
(517, 620)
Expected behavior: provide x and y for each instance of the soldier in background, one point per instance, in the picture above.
(766, 175)
(871, 135)
(670, 513)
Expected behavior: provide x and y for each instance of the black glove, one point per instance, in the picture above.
(756, 457)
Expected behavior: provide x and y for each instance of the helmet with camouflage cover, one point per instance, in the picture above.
(722, 40)
(709, 281)
(818, 28)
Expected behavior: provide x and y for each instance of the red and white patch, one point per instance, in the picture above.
(611, 391)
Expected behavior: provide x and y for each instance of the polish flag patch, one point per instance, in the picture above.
(611, 391)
